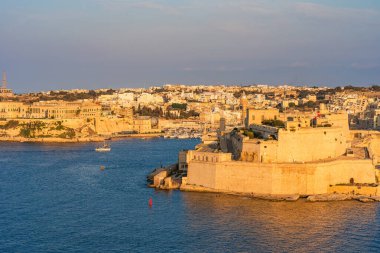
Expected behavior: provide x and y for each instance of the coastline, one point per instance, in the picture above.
(50, 140)
(125, 136)
(294, 197)
(169, 178)
(75, 140)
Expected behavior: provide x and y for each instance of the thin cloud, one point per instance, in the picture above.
(144, 5)
(334, 13)
(364, 66)
(257, 7)
(156, 6)
(299, 64)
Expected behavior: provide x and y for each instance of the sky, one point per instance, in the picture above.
(65, 44)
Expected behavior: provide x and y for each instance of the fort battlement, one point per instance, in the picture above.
(277, 178)
(213, 157)
(296, 159)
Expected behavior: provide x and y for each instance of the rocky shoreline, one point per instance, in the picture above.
(341, 196)
(309, 198)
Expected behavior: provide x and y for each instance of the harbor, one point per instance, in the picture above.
(52, 193)
(182, 133)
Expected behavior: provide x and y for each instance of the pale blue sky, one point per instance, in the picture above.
(61, 44)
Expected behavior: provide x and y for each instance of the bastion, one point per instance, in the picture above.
(299, 159)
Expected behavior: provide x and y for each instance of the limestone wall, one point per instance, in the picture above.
(176, 123)
(112, 125)
(303, 145)
(311, 144)
(264, 178)
(193, 155)
(84, 127)
(339, 120)
(374, 146)
(256, 116)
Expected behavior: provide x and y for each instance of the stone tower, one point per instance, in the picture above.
(4, 91)
(243, 106)
(4, 83)
(222, 122)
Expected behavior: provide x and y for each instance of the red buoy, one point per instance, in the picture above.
(150, 202)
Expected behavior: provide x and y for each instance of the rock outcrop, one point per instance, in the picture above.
(327, 197)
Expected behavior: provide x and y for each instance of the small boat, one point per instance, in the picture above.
(104, 148)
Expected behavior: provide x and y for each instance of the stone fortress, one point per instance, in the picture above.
(312, 155)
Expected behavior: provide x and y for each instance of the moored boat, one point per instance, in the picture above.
(104, 148)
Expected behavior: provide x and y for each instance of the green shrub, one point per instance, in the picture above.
(179, 106)
(68, 134)
(10, 124)
(274, 123)
(25, 132)
(59, 126)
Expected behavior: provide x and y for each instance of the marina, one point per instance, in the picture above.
(182, 133)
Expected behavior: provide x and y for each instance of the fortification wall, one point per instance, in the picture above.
(262, 178)
(374, 145)
(321, 143)
(204, 176)
(112, 125)
(303, 145)
(73, 123)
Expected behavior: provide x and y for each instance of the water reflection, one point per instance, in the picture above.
(247, 224)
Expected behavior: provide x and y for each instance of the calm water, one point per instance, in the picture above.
(54, 198)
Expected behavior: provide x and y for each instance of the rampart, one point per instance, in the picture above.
(279, 178)
(301, 145)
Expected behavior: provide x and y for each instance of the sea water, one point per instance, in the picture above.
(55, 198)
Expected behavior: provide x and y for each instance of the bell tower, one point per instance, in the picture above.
(4, 91)
(4, 82)
(243, 106)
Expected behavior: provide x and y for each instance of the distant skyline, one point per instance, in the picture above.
(90, 44)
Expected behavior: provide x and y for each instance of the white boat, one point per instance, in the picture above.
(104, 148)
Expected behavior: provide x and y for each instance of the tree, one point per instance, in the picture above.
(10, 124)
(92, 93)
(274, 123)
(310, 104)
(179, 106)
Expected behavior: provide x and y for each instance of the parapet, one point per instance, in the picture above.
(209, 156)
